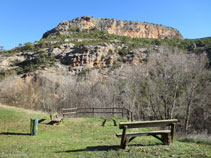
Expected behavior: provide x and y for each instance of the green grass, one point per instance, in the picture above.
(81, 137)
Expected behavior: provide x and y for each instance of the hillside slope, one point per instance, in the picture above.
(81, 137)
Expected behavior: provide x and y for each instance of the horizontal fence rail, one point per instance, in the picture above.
(98, 112)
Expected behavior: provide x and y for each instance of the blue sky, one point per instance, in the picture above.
(24, 21)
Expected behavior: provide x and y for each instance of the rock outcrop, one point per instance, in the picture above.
(113, 26)
(96, 56)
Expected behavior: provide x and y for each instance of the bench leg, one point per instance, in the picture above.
(124, 145)
(126, 142)
(165, 139)
(124, 138)
(172, 132)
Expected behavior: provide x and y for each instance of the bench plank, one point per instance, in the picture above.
(134, 134)
(142, 124)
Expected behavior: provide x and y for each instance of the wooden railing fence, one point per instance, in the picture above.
(98, 112)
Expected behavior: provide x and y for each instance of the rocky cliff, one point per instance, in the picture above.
(113, 26)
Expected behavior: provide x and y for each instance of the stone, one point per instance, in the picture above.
(64, 48)
(6, 62)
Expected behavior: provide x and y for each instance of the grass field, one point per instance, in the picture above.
(81, 137)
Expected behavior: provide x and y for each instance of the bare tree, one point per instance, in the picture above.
(161, 88)
(195, 82)
(173, 83)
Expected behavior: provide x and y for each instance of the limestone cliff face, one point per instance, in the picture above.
(113, 26)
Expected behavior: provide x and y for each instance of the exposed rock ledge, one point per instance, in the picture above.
(113, 26)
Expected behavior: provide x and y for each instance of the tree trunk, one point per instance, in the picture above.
(187, 116)
(174, 102)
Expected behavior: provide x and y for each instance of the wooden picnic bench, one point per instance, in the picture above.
(166, 136)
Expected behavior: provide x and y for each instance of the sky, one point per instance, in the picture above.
(24, 21)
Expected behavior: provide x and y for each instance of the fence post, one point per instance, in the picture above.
(128, 115)
(93, 112)
(131, 117)
(34, 126)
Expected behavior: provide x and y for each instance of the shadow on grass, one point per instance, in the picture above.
(93, 148)
(103, 148)
(12, 133)
(41, 120)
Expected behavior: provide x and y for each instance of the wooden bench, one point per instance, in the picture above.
(166, 136)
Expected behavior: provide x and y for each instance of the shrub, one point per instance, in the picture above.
(39, 60)
(124, 52)
(29, 46)
(110, 52)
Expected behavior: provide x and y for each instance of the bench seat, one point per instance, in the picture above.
(150, 133)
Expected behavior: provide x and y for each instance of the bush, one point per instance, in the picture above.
(110, 52)
(29, 46)
(39, 60)
(124, 52)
